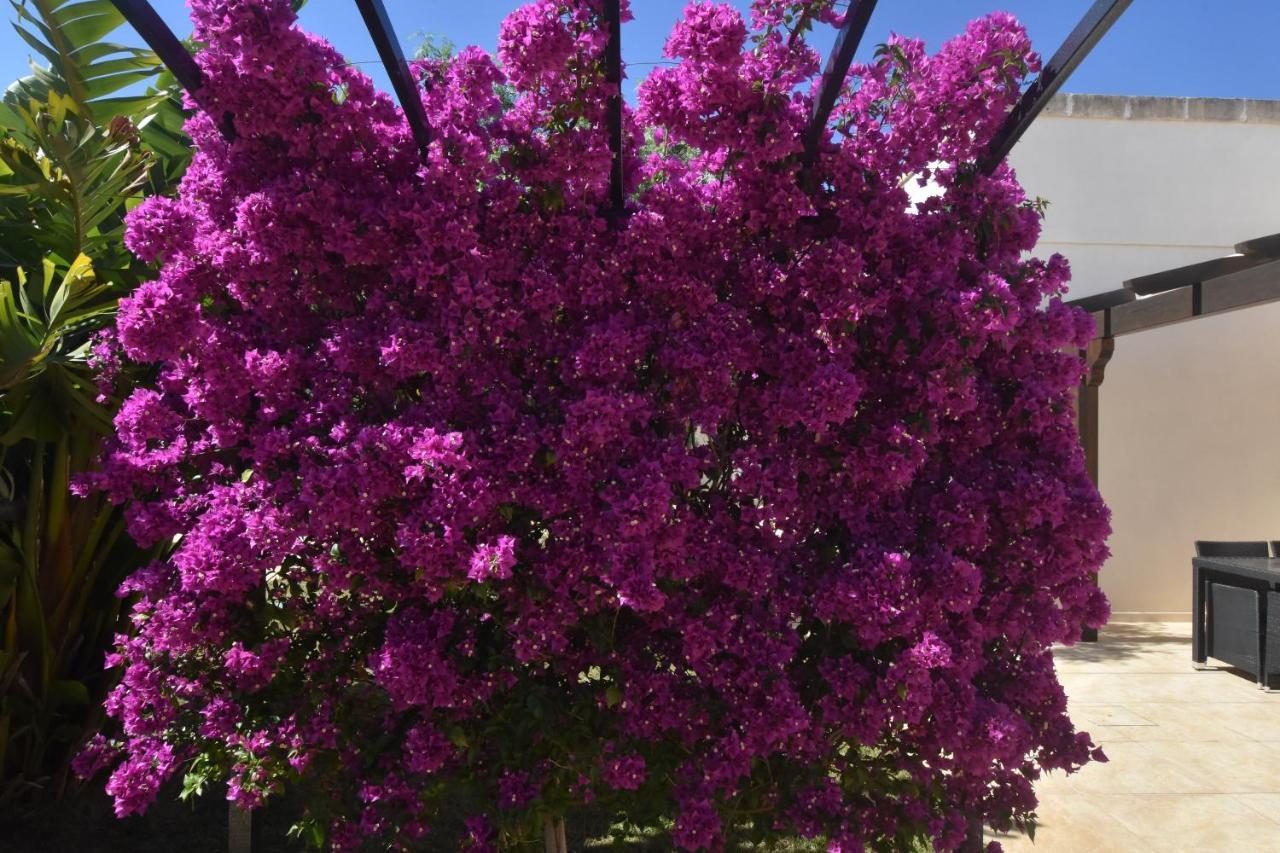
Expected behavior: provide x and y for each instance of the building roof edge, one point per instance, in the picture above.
(1150, 108)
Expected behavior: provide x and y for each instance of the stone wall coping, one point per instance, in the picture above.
(1149, 108)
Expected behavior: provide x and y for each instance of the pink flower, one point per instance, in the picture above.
(625, 772)
(788, 460)
(493, 561)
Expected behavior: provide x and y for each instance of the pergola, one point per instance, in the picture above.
(1117, 315)
(1091, 28)
(1247, 278)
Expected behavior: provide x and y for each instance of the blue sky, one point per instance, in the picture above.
(1202, 48)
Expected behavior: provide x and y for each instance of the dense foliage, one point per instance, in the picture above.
(75, 153)
(759, 508)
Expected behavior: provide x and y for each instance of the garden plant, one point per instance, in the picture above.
(75, 153)
(750, 512)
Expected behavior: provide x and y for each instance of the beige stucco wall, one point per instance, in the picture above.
(1189, 442)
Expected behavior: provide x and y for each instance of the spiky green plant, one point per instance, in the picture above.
(107, 80)
(81, 140)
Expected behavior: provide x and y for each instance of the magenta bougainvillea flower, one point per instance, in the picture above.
(758, 508)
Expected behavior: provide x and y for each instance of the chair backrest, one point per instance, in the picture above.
(1232, 549)
(1275, 548)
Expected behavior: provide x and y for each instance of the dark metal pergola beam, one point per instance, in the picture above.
(156, 33)
(613, 114)
(143, 17)
(406, 88)
(1092, 27)
(833, 75)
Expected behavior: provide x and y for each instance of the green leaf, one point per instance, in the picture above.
(134, 62)
(20, 345)
(39, 419)
(10, 570)
(106, 84)
(69, 170)
(76, 285)
(38, 45)
(9, 120)
(66, 692)
(193, 785)
(88, 21)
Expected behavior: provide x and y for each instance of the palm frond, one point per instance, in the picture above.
(106, 80)
(77, 63)
(94, 126)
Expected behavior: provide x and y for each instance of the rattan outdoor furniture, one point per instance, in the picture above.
(1232, 549)
(1236, 607)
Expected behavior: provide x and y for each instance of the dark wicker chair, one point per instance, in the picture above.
(1233, 549)
(1237, 616)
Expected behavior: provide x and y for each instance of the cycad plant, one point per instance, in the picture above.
(106, 80)
(81, 140)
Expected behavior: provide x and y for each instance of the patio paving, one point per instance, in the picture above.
(1194, 756)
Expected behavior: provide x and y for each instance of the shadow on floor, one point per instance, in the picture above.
(1126, 641)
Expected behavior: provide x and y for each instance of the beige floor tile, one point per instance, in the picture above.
(1158, 662)
(1194, 756)
(1125, 688)
(1266, 805)
(1055, 783)
(1103, 735)
(1094, 716)
(1073, 824)
(1228, 767)
(1197, 823)
(1191, 722)
(1135, 767)
(1234, 838)
(1255, 722)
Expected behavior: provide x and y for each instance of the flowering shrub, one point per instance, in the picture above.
(758, 509)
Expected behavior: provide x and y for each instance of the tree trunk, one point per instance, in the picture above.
(242, 831)
(553, 836)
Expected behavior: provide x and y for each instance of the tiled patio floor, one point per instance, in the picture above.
(1195, 756)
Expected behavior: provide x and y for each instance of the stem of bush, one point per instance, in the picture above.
(553, 835)
(241, 831)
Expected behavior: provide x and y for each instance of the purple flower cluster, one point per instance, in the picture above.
(761, 508)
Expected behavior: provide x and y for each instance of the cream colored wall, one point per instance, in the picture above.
(1189, 442)
(1189, 449)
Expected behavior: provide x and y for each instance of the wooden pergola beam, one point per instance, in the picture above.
(1244, 289)
(837, 68)
(1162, 309)
(1103, 301)
(1092, 27)
(1237, 284)
(1268, 246)
(1088, 420)
(1173, 279)
(406, 88)
(1253, 284)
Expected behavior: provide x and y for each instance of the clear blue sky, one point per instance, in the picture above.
(1203, 48)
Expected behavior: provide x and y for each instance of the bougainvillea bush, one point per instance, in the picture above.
(757, 508)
